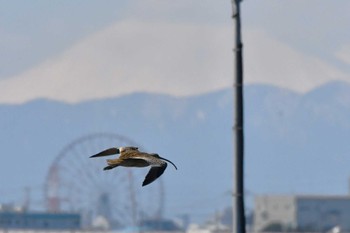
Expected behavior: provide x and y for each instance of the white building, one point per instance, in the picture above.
(302, 212)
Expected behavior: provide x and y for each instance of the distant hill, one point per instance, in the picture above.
(295, 143)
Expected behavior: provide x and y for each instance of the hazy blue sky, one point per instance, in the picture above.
(79, 50)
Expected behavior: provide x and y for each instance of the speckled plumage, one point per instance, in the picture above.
(132, 157)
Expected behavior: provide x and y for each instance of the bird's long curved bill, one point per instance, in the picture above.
(110, 151)
(169, 162)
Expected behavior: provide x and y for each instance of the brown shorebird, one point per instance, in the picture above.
(132, 157)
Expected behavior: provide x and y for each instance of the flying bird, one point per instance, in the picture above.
(132, 157)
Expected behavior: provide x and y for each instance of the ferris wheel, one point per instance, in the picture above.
(76, 183)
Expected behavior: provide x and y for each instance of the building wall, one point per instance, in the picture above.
(302, 213)
(322, 213)
(25, 220)
(274, 210)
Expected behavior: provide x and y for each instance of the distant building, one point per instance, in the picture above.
(301, 213)
(20, 219)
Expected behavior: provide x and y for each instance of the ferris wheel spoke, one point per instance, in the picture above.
(73, 173)
(83, 183)
(93, 171)
(71, 161)
(84, 169)
(72, 189)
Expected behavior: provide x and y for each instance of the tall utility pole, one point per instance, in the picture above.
(238, 196)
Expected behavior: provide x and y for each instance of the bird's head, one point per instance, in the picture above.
(123, 149)
(157, 156)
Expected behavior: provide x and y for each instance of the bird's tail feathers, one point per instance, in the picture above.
(109, 167)
(111, 162)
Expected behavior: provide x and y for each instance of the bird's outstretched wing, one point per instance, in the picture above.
(110, 151)
(153, 174)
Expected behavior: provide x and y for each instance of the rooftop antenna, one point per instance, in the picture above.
(238, 195)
